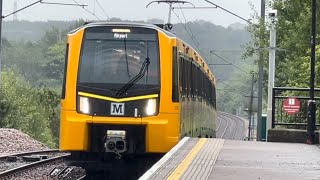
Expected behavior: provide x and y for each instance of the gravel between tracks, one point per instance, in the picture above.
(14, 141)
(42, 173)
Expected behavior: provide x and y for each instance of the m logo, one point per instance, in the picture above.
(117, 109)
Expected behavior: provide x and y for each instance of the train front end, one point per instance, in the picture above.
(115, 99)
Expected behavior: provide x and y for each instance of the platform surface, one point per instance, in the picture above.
(195, 158)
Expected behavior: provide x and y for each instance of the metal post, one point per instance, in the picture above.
(260, 86)
(170, 2)
(169, 16)
(250, 108)
(312, 104)
(273, 118)
(272, 53)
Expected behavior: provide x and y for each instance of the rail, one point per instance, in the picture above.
(234, 127)
(29, 153)
(30, 165)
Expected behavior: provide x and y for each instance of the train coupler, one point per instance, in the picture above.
(116, 142)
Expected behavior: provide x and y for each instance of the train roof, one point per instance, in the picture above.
(132, 24)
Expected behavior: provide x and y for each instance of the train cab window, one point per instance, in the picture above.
(111, 59)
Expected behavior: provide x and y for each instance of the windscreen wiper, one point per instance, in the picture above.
(143, 70)
(125, 48)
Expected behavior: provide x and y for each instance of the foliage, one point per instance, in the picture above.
(31, 85)
(293, 42)
(23, 107)
(293, 39)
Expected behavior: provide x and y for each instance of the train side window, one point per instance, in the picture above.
(63, 93)
(180, 75)
(191, 78)
(209, 92)
(207, 89)
(208, 97)
(194, 79)
(188, 77)
(183, 74)
(199, 81)
(214, 97)
(175, 76)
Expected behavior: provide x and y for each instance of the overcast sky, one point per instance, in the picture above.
(132, 10)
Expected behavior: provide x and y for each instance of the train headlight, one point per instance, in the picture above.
(84, 105)
(151, 107)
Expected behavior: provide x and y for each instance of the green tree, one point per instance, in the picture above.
(21, 110)
(293, 41)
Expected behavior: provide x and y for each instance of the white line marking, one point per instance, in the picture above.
(164, 159)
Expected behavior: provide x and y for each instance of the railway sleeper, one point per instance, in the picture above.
(61, 172)
(34, 158)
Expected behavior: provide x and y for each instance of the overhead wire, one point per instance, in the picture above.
(185, 27)
(42, 2)
(197, 44)
(64, 4)
(36, 2)
(229, 12)
(224, 59)
(105, 13)
(189, 32)
(243, 93)
(186, 24)
(87, 10)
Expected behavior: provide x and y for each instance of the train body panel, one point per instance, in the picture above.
(72, 62)
(74, 131)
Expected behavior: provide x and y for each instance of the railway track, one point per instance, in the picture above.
(230, 127)
(14, 165)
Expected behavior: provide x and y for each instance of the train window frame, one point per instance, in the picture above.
(132, 91)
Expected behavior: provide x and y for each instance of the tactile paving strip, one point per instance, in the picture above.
(202, 164)
(170, 165)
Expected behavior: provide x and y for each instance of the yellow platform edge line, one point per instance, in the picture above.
(178, 172)
(117, 100)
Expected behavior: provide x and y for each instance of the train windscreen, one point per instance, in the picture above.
(112, 56)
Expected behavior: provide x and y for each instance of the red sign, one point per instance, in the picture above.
(291, 105)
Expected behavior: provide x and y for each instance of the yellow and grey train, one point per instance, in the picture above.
(132, 88)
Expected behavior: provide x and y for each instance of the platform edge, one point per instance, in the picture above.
(164, 159)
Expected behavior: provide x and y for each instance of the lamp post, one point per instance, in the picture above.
(272, 56)
(312, 103)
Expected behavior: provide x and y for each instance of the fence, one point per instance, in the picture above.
(281, 119)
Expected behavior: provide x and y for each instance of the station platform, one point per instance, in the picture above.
(201, 158)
